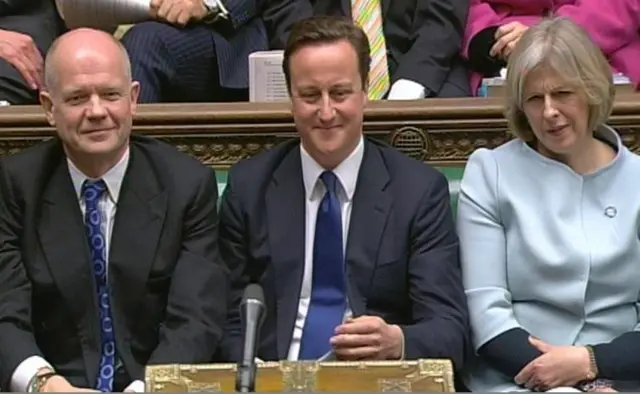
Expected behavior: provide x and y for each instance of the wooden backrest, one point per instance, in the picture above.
(442, 132)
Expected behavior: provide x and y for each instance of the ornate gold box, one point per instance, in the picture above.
(399, 376)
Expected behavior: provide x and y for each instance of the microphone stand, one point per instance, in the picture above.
(246, 378)
(252, 312)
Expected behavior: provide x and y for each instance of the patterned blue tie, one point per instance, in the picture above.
(92, 192)
(329, 289)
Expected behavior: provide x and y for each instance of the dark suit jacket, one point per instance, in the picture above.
(169, 288)
(402, 255)
(424, 37)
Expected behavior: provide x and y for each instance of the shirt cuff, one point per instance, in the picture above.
(137, 386)
(25, 371)
(404, 89)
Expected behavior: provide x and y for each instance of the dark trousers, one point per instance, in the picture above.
(176, 64)
(457, 82)
(42, 23)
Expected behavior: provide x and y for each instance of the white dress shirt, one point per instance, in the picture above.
(27, 369)
(347, 174)
(404, 89)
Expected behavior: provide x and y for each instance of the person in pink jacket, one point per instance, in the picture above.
(495, 26)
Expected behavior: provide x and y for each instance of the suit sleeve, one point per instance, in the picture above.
(428, 61)
(196, 305)
(279, 17)
(484, 265)
(481, 17)
(441, 322)
(610, 24)
(620, 358)
(17, 342)
(234, 252)
(242, 11)
(479, 37)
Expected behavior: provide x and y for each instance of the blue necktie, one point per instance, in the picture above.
(92, 192)
(328, 291)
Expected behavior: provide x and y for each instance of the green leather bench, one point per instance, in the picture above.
(453, 174)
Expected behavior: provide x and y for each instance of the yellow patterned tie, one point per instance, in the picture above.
(367, 14)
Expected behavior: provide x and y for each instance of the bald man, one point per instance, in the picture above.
(109, 257)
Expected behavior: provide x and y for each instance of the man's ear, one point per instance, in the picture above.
(134, 95)
(47, 105)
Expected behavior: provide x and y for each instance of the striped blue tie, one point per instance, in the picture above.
(92, 192)
(329, 289)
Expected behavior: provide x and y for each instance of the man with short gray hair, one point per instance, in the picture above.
(109, 258)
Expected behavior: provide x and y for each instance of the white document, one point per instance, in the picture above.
(329, 356)
(620, 79)
(266, 78)
(103, 14)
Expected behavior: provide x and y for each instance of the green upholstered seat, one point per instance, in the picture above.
(454, 176)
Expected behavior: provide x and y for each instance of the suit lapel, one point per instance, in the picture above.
(64, 244)
(285, 200)
(369, 213)
(139, 220)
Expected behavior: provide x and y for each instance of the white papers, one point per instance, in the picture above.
(620, 79)
(329, 356)
(266, 78)
(103, 14)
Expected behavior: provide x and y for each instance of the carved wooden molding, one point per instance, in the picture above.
(440, 131)
(419, 376)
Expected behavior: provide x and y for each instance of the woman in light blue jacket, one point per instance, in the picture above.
(549, 228)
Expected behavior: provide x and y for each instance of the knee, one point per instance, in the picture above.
(13, 87)
(149, 36)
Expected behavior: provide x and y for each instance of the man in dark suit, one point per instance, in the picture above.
(109, 258)
(423, 40)
(352, 241)
(197, 51)
(27, 29)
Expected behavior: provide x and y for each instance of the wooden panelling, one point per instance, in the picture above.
(440, 131)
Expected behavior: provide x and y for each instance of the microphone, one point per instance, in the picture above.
(252, 313)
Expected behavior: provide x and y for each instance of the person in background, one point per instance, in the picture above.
(615, 27)
(27, 29)
(495, 26)
(196, 50)
(548, 227)
(108, 255)
(352, 241)
(415, 44)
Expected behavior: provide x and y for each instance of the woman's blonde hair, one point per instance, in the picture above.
(561, 46)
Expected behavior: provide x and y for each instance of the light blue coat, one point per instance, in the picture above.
(548, 250)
